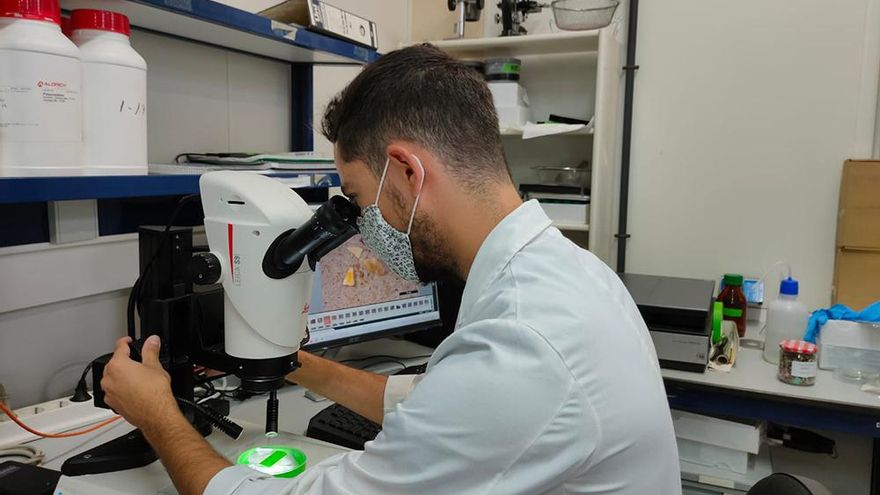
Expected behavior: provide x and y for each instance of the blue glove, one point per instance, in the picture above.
(839, 312)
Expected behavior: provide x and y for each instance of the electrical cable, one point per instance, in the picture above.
(67, 434)
(209, 389)
(215, 395)
(81, 392)
(233, 395)
(31, 455)
(134, 297)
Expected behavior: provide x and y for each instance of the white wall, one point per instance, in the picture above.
(43, 349)
(203, 98)
(744, 113)
(392, 18)
(329, 80)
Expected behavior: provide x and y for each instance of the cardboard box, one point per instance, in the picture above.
(857, 277)
(318, 15)
(858, 221)
(857, 260)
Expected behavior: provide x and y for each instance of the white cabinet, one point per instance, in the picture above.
(573, 74)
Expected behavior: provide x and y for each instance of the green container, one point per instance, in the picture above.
(502, 69)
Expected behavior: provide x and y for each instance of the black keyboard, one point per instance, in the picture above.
(342, 426)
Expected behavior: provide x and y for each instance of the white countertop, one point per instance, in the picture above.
(295, 410)
(753, 374)
(750, 375)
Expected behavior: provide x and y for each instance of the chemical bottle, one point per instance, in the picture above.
(114, 94)
(786, 319)
(40, 112)
(734, 301)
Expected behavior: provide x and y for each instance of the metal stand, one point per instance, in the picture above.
(875, 467)
(190, 325)
(630, 68)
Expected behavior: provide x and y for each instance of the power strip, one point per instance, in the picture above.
(54, 416)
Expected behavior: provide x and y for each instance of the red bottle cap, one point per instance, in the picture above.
(798, 346)
(102, 20)
(35, 10)
(65, 26)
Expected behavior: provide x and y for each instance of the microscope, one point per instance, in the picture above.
(263, 244)
(513, 14)
(469, 12)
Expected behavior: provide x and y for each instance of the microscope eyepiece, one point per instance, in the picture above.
(334, 223)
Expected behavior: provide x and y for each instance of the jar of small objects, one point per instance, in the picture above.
(797, 362)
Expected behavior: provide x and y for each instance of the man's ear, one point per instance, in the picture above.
(410, 166)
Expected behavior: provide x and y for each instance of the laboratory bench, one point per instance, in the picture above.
(295, 410)
(750, 391)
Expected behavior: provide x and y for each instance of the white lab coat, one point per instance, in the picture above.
(550, 384)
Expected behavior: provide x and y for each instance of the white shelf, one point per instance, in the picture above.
(517, 46)
(572, 227)
(518, 132)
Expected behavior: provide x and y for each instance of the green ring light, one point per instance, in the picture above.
(280, 462)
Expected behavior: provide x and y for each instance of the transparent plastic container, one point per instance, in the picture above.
(786, 320)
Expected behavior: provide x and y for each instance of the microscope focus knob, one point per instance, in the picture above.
(205, 269)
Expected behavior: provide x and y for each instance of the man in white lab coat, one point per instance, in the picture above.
(550, 382)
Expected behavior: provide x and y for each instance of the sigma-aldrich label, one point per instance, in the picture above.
(36, 108)
(40, 113)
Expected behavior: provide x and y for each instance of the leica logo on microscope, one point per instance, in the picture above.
(236, 269)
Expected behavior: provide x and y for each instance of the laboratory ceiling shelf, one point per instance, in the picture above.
(224, 26)
(519, 46)
(39, 189)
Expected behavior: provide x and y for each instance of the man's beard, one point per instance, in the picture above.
(432, 256)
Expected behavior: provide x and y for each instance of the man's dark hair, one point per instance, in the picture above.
(420, 94)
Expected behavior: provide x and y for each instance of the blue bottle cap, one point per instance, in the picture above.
(788, 287)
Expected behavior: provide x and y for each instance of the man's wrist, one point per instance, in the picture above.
(166, 419)
(305, 361)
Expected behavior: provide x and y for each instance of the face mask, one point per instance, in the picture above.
(390, 245)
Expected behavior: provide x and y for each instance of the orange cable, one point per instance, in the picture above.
(90, 429)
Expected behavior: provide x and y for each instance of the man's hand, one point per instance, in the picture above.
(140, 392)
